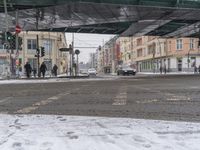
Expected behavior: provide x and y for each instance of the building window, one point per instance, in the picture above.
(47, 44)
(139, 53)
(139, 42)
(129, 56)
(191, 43)
(179, 44)
(170, 45)
(31, 44)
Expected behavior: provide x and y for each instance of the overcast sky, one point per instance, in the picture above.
(90, 41)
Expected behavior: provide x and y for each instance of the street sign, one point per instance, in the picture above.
(77, 52)
(18, 29)
(64, 49)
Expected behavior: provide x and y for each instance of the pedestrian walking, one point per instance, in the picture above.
(28, 69)
(199, 69)
(160, 69)
(43, 69)
(165, 69)
(34, 72)
(195, 69)
(55, 69)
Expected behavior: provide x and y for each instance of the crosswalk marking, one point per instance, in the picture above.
(121, 98)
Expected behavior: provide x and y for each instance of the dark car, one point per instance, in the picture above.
(126, 70)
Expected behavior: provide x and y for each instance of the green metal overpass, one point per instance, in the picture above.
(167, 18)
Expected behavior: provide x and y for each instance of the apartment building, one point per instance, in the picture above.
(51, 41)
(153, 54)
(107, 56)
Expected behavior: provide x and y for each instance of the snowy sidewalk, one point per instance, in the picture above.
(50, 80)
(41, 132)
(168, 73)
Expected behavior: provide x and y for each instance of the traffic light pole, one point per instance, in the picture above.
(73, 69)
(17, 45)
(6, 40)
(37, 38)
(6, 18)
(38, 56)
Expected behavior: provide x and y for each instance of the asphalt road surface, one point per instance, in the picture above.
(165, 98)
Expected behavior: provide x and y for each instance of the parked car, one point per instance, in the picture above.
(126, 70)
(83, 71)
(92, 71)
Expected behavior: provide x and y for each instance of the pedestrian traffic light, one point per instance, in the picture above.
(37, 52)
(42, 52)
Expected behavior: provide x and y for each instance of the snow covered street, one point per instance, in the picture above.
(50, 132)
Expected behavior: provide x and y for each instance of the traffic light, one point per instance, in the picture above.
(42, 52)
(5, 37)
(20, 42)
(10, 37)
(37, 52)
(12, 40)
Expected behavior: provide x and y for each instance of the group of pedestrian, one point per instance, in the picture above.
(42, 70)
(163, 69)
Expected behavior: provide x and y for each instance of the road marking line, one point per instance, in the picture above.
(36, 105)
(147, 101)
(41, 103)
(121, 98)
(179, 98)
(5, 99)
(27, 109)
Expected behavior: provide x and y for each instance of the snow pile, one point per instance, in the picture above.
(41, 132)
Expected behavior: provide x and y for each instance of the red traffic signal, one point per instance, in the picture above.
(18, 29)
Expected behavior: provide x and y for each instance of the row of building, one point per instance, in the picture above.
(51, 41)
(148, 54)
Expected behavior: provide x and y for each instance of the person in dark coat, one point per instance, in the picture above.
(199, 69)
(55, 68)
(43, 69)
(34, 72)
(195, 69)
(28, 69)
(161, 69)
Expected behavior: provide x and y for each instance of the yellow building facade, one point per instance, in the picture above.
(51, 42)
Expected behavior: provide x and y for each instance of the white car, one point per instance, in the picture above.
(92, 71)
